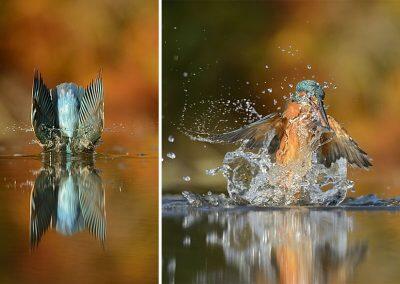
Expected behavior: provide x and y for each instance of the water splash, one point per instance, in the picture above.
(201, 116)
(219, 202)
(255, 178)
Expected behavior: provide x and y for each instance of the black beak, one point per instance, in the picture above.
(322, 113)
(320, 108)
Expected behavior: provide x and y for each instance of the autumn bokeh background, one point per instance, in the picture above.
(221, 53)
(69, 41)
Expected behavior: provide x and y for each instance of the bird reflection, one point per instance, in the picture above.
(279, 246)
(68, 195)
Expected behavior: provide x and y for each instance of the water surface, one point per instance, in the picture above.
(83, 220)
(347, 244)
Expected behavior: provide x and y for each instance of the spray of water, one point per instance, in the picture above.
(254, 178)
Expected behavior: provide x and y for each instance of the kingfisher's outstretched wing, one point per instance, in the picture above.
(91, 198)
(338, 144)
(43, 206)
(254, 134)
(43, 114)
(91, 113)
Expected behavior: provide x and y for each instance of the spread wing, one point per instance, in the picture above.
(338, 144)
(43, 114)
(43, 204)
(254, 134)
(91, 113)
(91, 198)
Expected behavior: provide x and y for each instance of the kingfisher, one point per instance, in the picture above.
(68, 115)
(303, 128)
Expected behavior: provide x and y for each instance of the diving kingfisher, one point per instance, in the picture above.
(288, 136)
(68, 115)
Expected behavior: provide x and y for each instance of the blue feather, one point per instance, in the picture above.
(68, 108)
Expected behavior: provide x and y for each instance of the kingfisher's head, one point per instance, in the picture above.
(309, 92)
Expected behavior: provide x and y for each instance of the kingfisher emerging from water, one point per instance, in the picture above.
(303, 127)
(69, 115)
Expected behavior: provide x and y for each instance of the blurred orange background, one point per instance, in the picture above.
(69, 41)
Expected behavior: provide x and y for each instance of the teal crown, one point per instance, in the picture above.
(310, 87)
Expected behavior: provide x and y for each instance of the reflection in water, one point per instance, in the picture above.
(68, 195)
(280, 246)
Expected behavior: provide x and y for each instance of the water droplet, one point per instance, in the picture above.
(212, 172)
(171, 155)
(247, 83)
(186, 178)
(266, 67)
(185, 74)
(269, 90)
(308, 66)
(171, 139)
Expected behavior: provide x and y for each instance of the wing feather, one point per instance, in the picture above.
(43, 115)
(254, 135)
(338, 144)
(91, 113)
